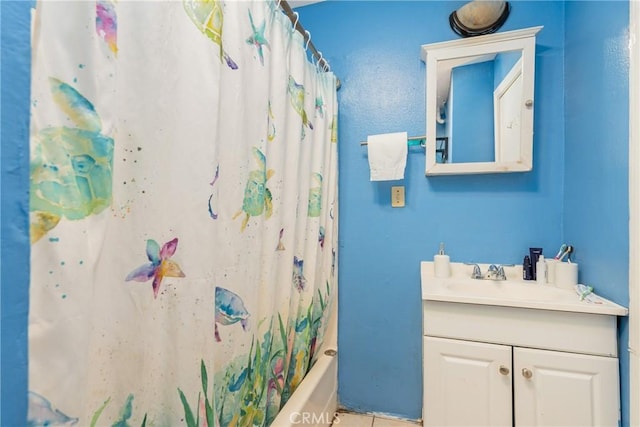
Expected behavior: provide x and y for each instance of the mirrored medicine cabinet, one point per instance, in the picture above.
(479, 98)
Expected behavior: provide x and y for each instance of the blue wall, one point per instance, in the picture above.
(14, 162)
(472, 138)
(504, 62)
(596, 206)
(374, 48)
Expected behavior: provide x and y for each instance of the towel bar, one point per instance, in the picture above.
(411, 141)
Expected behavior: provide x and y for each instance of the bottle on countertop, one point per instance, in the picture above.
(534, 253)
(541, 271)
(527, 269)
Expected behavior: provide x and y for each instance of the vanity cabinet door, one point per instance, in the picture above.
(466, 383)
(552, 388)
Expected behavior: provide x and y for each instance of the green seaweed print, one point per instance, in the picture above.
(126, 412)
(193, 419)
(70, 171)
(308, 328)
(246, 388)
(251, 389)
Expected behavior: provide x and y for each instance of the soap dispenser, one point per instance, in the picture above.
(442, 263)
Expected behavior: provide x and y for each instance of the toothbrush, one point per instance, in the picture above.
(567, 252)
(561, 251)
(583, 291)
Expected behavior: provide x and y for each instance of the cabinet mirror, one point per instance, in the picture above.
(479, 98)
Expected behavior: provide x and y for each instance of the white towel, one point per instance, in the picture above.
(387, 156)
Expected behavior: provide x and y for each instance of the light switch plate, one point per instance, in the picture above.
(397, 196)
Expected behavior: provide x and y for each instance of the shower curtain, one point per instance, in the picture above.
(183, 212)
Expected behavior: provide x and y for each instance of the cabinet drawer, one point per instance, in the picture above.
(545, 329)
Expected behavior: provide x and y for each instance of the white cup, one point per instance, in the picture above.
(442, 266)
(551, 270)
(566, 275)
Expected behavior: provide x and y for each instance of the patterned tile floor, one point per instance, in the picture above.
(345, 419)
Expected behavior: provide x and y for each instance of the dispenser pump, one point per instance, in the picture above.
(441, 251)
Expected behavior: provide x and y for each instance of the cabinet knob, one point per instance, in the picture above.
(527, 373)
(528, 103)
(503, 370)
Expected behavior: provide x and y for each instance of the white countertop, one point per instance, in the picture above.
(513, 292)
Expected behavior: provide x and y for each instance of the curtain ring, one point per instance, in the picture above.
(296, 21)
(320, 60)
(306, 46)
(323, 63)
(277, 8)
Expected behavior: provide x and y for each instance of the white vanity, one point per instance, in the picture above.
(515, 353)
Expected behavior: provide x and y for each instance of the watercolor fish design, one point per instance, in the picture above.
(280, 246)
(107, 24)
(297, 277)
(161, 265)
(212, 214)
(71, 167)
(296, 92)
(334, 129)
(320, 106)
(257, 197)
(315, 196)
(333, 262)
(321, 234)
(41, 413)
(208, 17)
(230, 309)
(257, 39)
(271, 128)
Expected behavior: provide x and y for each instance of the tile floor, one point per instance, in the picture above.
(344, 419)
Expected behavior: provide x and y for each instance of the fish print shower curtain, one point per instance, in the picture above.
(183, 212)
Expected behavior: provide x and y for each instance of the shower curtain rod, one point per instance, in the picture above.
(295, 21)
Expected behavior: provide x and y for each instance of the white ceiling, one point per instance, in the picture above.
(299, 3)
